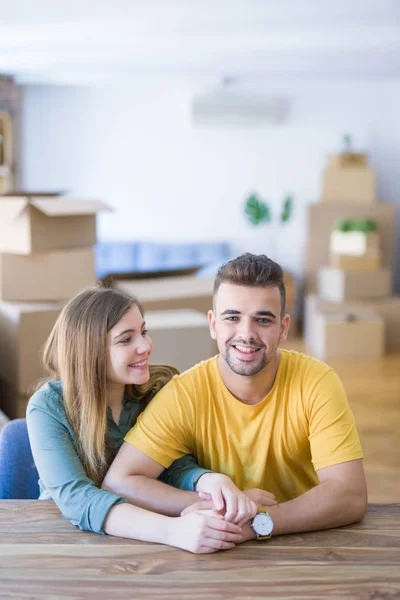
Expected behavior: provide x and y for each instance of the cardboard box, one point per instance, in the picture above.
(12, 404)
(30, 225)
(348, 160)
(354, 243)
(24, 329)
(322, 219)
(168, 293)
(370, 261)
(338, 285)
(180, 338)
(349, 185)
(46, 276)
(388, 308)
(348, 334)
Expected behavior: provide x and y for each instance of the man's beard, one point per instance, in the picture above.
(247, 369)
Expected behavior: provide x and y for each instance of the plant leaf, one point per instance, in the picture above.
(347, 142)
(287, 209)
(364, 225)
(256, 211)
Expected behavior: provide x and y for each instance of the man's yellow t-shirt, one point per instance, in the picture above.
(304, 424)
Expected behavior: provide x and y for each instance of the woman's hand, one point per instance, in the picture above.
(204, 531)
(228, 500)
(258, 496)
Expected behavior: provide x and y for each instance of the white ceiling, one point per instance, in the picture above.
(85, 41)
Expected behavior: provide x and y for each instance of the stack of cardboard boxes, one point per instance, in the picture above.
(349, 309)
(46, 256)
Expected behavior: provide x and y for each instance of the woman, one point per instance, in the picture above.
(97, 355)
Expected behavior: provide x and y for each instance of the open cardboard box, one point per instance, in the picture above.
(29, 225)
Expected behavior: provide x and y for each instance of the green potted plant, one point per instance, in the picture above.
(259, 215)
(347, 158)
(355, 237)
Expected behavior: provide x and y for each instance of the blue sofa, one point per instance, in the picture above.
(144, 257)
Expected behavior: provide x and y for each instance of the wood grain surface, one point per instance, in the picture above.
(43, 556)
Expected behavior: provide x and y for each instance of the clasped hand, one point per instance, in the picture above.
(218, 492)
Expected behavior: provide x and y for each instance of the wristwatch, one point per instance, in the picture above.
(262, 524)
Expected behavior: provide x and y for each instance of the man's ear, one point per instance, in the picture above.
(211, 324)
(284, 328)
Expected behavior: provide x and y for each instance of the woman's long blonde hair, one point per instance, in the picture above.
(75, 353)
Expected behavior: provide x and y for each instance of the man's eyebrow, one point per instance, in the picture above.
(265, 313)
(259, 313)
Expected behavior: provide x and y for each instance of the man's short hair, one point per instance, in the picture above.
(252, 270)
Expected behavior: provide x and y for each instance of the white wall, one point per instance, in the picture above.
(133, 145)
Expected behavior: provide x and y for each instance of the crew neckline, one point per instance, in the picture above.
(282, 361)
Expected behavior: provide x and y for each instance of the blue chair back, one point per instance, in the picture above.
(18, 474)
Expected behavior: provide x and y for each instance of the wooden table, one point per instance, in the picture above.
(44, 556)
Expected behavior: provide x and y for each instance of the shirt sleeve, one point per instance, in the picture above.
(164, 431)
(62, 473)
(183, 473)
(332, 432)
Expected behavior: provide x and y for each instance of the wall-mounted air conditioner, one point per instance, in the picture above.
(227, 105)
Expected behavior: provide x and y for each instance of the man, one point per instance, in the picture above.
(268, 418)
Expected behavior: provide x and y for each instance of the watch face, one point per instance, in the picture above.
(263, 524)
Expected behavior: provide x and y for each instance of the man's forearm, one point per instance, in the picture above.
(152, 494)
(326, 505)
